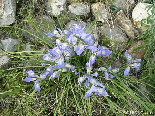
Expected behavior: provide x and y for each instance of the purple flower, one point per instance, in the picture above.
(113, 70)
(48, 57)
(92, 48)
(50, 34)
(36, 78)
(97, 52)
(95, 74)
(80, 49)
(101, 91)
(60, 62)
(103, 52)
(93, 81)
(31, 76)
(50, 70)
(88, 67)
(128, 56)
(55, 74)
(87, 38)
(72, 39)
(60, 53)
(86, 83)
(69, 67)
(136, 64)
(68, 52)
(92, 59)
(98, 91)
(37, 86)
(96, 87)
(102, 69)
(78, 30)
(131, 64)
(90, 91)
(108, 72)
(127, 70)
(81, 79)
(55, 51)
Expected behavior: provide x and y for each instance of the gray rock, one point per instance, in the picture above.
(125, 5)
(7, 12)
(126, 25)
(55, 6)
(79, 8)
(4, 60)
(9, 44)
(139, 13)
(115, 34)
(100, 12)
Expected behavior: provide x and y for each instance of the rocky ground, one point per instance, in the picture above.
(118, 21)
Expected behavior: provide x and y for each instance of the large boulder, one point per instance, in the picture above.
(139, 13)
(7, 12)
(100, 12)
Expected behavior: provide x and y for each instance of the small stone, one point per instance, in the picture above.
(139, 13)
(137, 54)
(55, 6)
(79, 8)
(9, 44)
(115, 34)
(99, 11)
(4, 60)
(125, 5)
(126, 25)
(7, 12)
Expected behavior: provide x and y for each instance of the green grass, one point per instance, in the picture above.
(63, 96)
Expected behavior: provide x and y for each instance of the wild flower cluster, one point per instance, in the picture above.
(69, 43)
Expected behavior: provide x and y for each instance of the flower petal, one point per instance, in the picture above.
(60, 62)
(95, 74)
(31, 73)
(115, 70)
(127, 70)
(50, 34)
(102, 69)
(29, 79)
(92, 48)
(128, 56)
(81, 79)
(43, 75)
(86, 83)
(79, 49)
(92, 59)
(54, 75)
(37, 86)
(89, 92)
(48, 57)
(106, 75)
(102, 92)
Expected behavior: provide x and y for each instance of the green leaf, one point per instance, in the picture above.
(114, 8)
